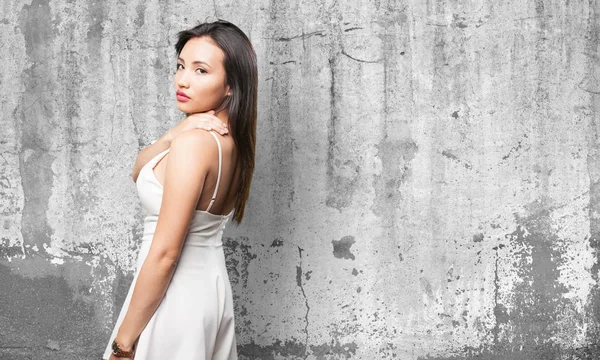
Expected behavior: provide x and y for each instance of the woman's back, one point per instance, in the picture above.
(229, 181)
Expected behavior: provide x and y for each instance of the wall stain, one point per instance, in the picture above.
(280, 125)
(342, 172)
(458, 21)
(123, 281)
(96, 15)
(478, 237)
(277, 242)
(427, 288)
(516, 149)
(541, 352)
(396, 148)
(341, 248)
(500, 311)
(451, 156)
(538, 299)
(163, 65)
(7, 252)
(342, 175)
(325, 351)
(396, 157)
(526, 330)
(140, 10)
(36, 103)
(238, 257)
(592, 37)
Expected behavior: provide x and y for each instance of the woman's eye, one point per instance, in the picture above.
(202, 71)
(178, 65)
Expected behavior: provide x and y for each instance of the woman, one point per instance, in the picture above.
(191, 182)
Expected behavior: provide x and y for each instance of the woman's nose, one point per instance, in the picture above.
(181, 81)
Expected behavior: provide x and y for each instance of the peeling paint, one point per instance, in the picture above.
(238, 258)
(478, 237)
(277, 242)
(341, 248)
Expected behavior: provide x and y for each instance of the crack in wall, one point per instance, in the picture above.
(299, 282)
(302, 36)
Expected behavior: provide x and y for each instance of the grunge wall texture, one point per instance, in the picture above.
(427, 184)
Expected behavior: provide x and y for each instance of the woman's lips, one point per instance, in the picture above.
(181, 96)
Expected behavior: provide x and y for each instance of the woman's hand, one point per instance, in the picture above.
(207, 121)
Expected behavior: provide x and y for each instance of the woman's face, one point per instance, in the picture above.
(200, 76)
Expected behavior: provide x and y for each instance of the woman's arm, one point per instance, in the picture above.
(149, 152)
(186, 169)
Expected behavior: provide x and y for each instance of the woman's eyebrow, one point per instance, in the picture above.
(195, 62)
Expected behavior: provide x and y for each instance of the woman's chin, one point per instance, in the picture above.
(185, 108)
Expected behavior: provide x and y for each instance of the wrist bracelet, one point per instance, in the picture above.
(118, 352)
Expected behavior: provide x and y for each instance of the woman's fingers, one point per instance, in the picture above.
(209, 122)
(222, 130)
(212, 125)
(217, 126)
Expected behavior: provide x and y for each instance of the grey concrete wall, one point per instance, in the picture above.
(427, 183)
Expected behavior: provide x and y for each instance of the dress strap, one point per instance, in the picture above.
(158, 158)
(219, 174)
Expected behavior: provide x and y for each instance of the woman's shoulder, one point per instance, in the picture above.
(195, 139)
(193, 151)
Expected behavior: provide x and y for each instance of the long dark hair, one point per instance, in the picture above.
(242, 78)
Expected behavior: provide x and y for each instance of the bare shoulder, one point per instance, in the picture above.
(194, 140)
(191, 153)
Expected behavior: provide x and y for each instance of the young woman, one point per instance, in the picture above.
(191, 182)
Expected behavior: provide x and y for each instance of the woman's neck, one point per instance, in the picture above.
(223, 115)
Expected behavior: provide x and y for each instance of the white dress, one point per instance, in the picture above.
(195, 319)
